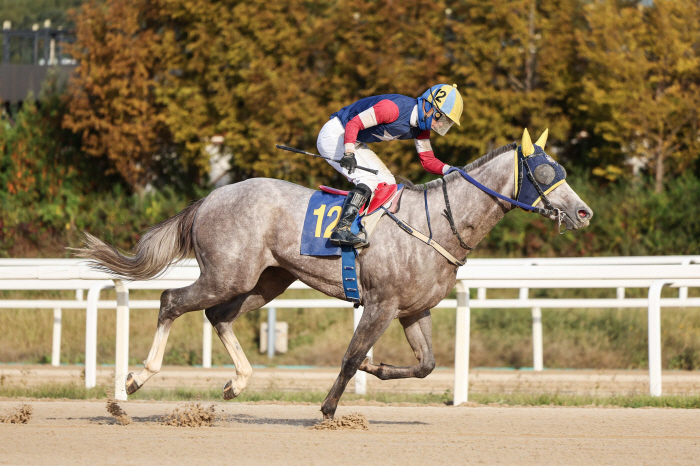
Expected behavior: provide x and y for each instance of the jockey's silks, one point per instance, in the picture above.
(400, 128)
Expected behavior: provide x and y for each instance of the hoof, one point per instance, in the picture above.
(131, 385)
(230, 392)
(328, 416)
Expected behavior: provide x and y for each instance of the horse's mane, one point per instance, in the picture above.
(467, 168)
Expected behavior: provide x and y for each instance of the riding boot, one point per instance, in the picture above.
(342, 235)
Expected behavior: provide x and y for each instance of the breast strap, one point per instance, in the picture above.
(427, 240)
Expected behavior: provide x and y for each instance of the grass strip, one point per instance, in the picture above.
(77, 392)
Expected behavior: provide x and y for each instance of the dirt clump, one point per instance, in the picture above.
(191, 415)
(20, 416)
(117, 412)
(353, 421)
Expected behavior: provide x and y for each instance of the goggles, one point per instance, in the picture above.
(441, 123)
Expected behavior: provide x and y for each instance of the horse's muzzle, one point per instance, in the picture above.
(580, 217)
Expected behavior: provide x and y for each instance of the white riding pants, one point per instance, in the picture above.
(330, 144)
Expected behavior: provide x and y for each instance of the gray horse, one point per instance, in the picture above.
(246, 238)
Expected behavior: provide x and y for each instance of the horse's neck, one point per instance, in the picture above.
(474, 211)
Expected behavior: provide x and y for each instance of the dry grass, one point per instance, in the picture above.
(598, 338)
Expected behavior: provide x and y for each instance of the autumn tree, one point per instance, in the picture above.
(515, 59)
(640, 93)
(113, 92)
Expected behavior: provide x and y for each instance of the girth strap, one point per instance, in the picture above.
(429, 241)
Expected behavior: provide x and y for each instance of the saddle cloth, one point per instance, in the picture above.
(323, 213)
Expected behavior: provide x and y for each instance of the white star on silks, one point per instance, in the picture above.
(386, 136)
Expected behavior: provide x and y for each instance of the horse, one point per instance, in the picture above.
(246, 239)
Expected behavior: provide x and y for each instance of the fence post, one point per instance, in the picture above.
(91, 332)
(620, 292)
(462, 344)
(121, 357)
(654, 328)
(537, 345)
(683, 290)
(206, 342)
(56, 347)
(271, 327)
(360, 376)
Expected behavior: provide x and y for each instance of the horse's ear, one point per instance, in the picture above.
(526, 145)
(543, 139)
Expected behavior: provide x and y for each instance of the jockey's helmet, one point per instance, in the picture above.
(435, 103)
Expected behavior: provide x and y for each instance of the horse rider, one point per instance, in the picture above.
(383, 118)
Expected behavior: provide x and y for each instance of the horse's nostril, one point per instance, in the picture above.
(583, 213)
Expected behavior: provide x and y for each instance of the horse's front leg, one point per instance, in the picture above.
(375, 320)
(418, 330)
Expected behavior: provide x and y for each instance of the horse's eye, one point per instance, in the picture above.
(544, 174)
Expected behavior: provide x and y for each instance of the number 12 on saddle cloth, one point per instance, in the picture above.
(322, 215)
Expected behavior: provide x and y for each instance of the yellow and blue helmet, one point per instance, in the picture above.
(445, 99)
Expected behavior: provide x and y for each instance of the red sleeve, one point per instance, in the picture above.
(427, 157)
(384, 111)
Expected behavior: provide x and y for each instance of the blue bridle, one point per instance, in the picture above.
(526, 189)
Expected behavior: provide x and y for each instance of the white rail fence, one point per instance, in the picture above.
(652, 272)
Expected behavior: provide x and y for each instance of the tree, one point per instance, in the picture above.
(641, 88)
(263, 73)
(515, 59)
(113, 91)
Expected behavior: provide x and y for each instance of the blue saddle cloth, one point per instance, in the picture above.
(322, 215)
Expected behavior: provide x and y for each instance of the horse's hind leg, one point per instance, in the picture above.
(272, 283)
(418, 329)
(373, 323)
(173, 303)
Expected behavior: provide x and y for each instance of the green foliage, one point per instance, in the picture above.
(23, 14)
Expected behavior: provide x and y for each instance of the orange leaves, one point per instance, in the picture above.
(113, 102)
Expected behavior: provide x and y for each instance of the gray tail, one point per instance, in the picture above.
(160, 247)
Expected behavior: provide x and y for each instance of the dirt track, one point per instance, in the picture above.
(82, 433)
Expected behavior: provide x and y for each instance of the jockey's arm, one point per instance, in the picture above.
(384, 111)
(427, 157)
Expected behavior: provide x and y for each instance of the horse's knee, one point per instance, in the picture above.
(351, 364)
(425, 367)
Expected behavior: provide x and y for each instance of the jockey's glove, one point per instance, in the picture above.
(348, 162)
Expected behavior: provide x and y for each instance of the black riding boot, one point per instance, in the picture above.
(342, 235)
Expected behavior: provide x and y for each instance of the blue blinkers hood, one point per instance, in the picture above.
(547, 173)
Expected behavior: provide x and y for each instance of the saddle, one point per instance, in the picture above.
(387, 195)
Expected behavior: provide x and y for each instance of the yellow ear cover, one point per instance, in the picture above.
(543, 139)
(526, 145)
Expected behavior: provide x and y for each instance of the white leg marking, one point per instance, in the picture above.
(154, 361)
(243, 369)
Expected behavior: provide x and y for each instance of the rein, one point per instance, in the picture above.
(549, 211)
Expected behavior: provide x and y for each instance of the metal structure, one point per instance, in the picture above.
(618, 273)
(27, 56)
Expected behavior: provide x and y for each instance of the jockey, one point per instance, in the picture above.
(383, 118)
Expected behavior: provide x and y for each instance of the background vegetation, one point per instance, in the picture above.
(125, 144)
